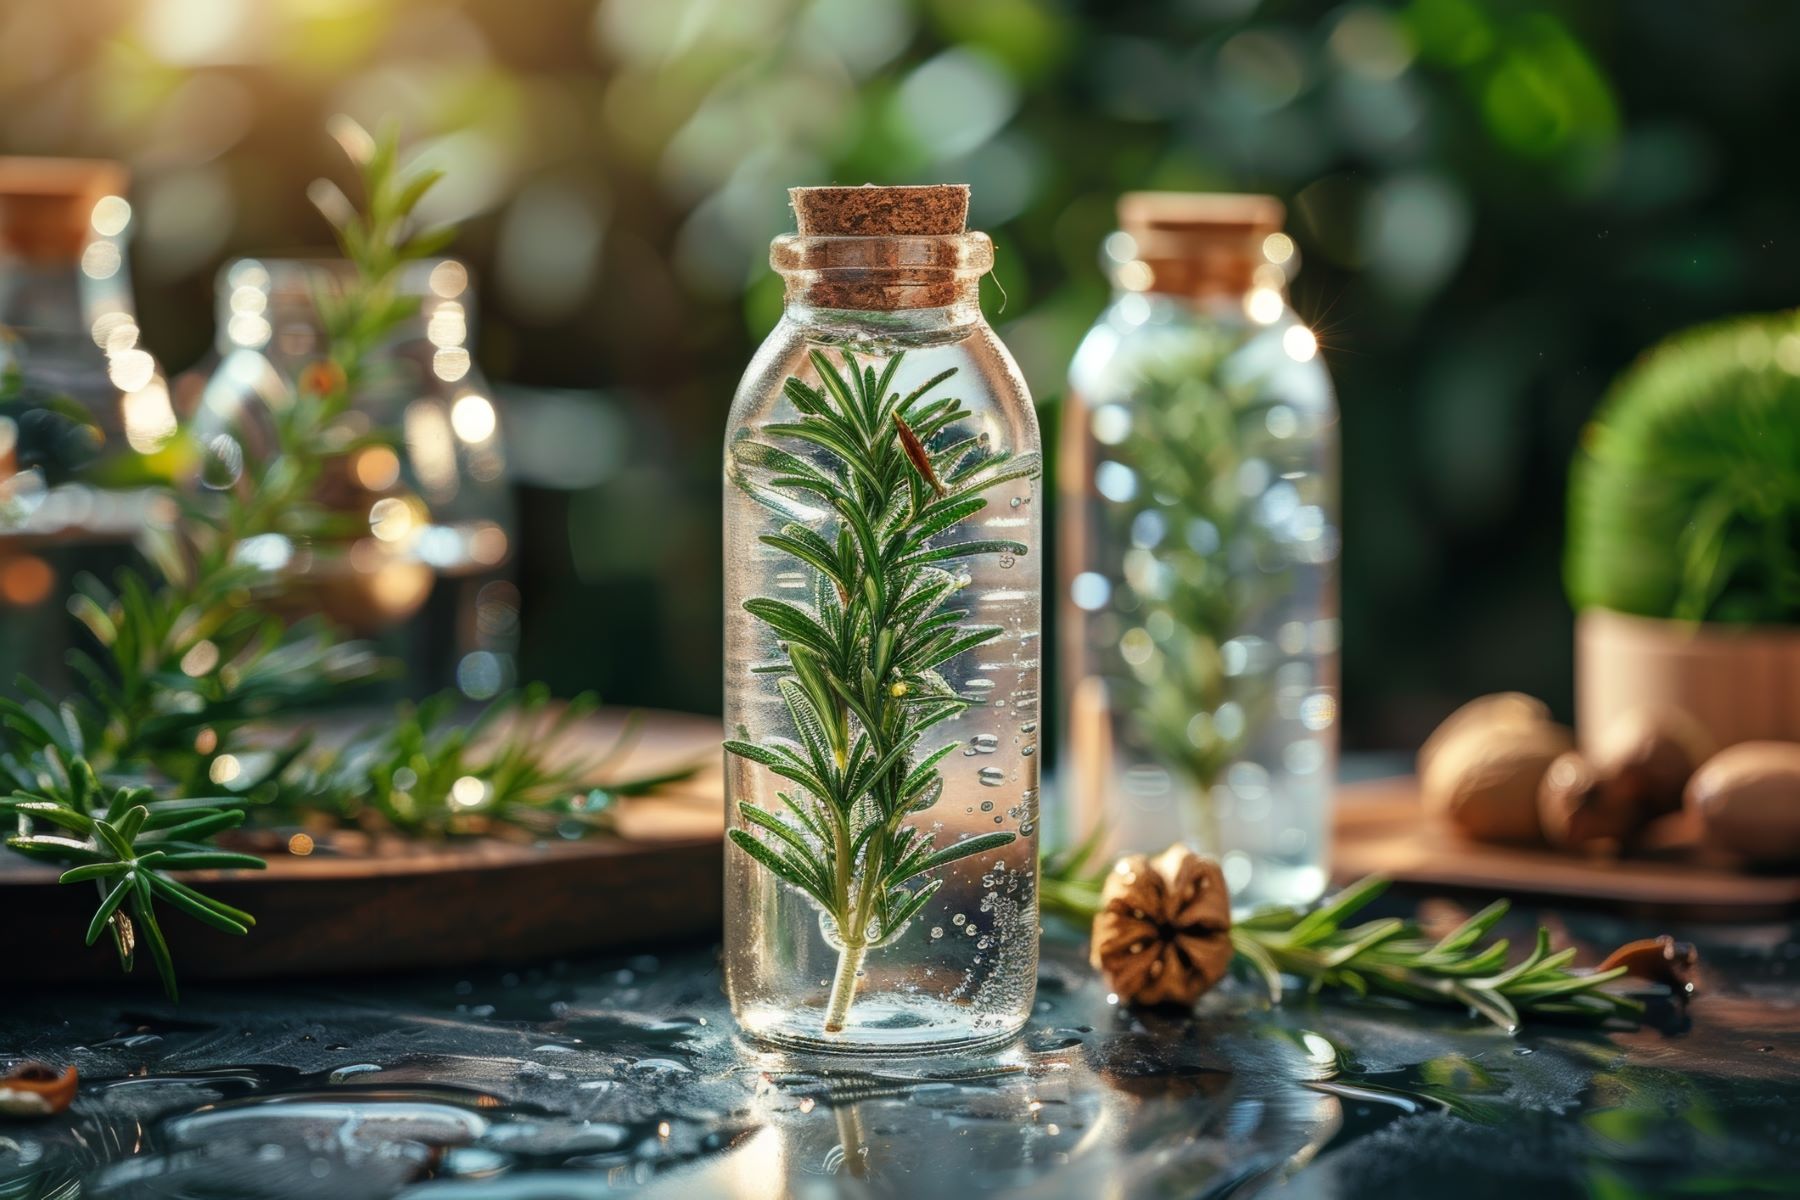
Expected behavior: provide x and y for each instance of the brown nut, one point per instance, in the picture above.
(1484, 713)
(1647, 756)
(33, 1089)
(1747, 797)
(1163, 932)
(1577, 808)
(1485, 782)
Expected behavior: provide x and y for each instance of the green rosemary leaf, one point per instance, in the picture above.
(1252, 951)
(840, 392)
(819, 557)
(914, 901)
(56, 814)
(942, 648)
(925, 770)
(194, 906)
(105, 870)
(133, 821)
(805, 818)
(108, 906)
(808, 400)
(775, 825)
(218, 906)
(202, 860)
(944, 515)
(918, 393)
(144, 917)
(980, 844)
(962, 550)
(1471, 930)
(783, 868)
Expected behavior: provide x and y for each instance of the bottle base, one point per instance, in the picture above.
(881, 1024)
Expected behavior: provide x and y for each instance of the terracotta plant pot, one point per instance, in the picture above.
(1742, 683)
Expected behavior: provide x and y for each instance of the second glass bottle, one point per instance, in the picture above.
(1198, 492)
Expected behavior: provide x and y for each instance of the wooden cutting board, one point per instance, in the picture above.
(1381, 829)
(398, 904)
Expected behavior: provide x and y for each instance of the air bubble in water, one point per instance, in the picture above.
(987, 806)
(958, 919)
(991, 776)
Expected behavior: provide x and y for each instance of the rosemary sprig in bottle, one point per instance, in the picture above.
(862, 683)
(1391, 957)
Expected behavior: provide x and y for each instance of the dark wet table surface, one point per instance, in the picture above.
(622, 1075)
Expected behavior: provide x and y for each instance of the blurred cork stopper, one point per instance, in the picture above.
(870, 211)
(1196, 243)
(1216, 213)
(47, 204)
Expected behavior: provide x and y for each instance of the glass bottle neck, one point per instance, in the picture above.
(893, 286)
(821, 308)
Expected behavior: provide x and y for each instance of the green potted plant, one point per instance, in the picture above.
(1683, 557)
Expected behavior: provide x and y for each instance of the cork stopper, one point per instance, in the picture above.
(879, 249)
(1216, 214)
(870, 211)
(47, 204)
(1198, 243)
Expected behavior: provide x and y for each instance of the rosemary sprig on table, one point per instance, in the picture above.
(126, 841)
(862, 683)
(1390, 956)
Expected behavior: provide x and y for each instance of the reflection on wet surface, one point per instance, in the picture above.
(625, 1076)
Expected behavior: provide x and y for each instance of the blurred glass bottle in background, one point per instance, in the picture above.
(1199, 599)
(419, 562)
(84, 409)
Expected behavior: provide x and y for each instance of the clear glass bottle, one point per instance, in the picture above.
(78, 395)
(1199, 494)
(910, 923)
(421, 564)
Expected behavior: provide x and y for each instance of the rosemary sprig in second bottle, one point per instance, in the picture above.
(862, 680)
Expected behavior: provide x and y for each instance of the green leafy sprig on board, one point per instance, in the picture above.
(118, 785)
(862, 683)
(1388, 956)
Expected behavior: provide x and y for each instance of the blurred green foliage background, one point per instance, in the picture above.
(1499, 202)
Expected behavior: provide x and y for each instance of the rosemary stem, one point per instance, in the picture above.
(843, 987)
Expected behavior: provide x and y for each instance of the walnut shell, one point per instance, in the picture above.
(1484, 781)
(1747, 797)
(1484, 713)
(33, 1089)
(1578, 808)
(1647, 756)
(1163, 933)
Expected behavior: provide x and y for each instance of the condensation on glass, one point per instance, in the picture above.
(423, 562)
(78, 392)
(962, 971)
(1198, 563)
